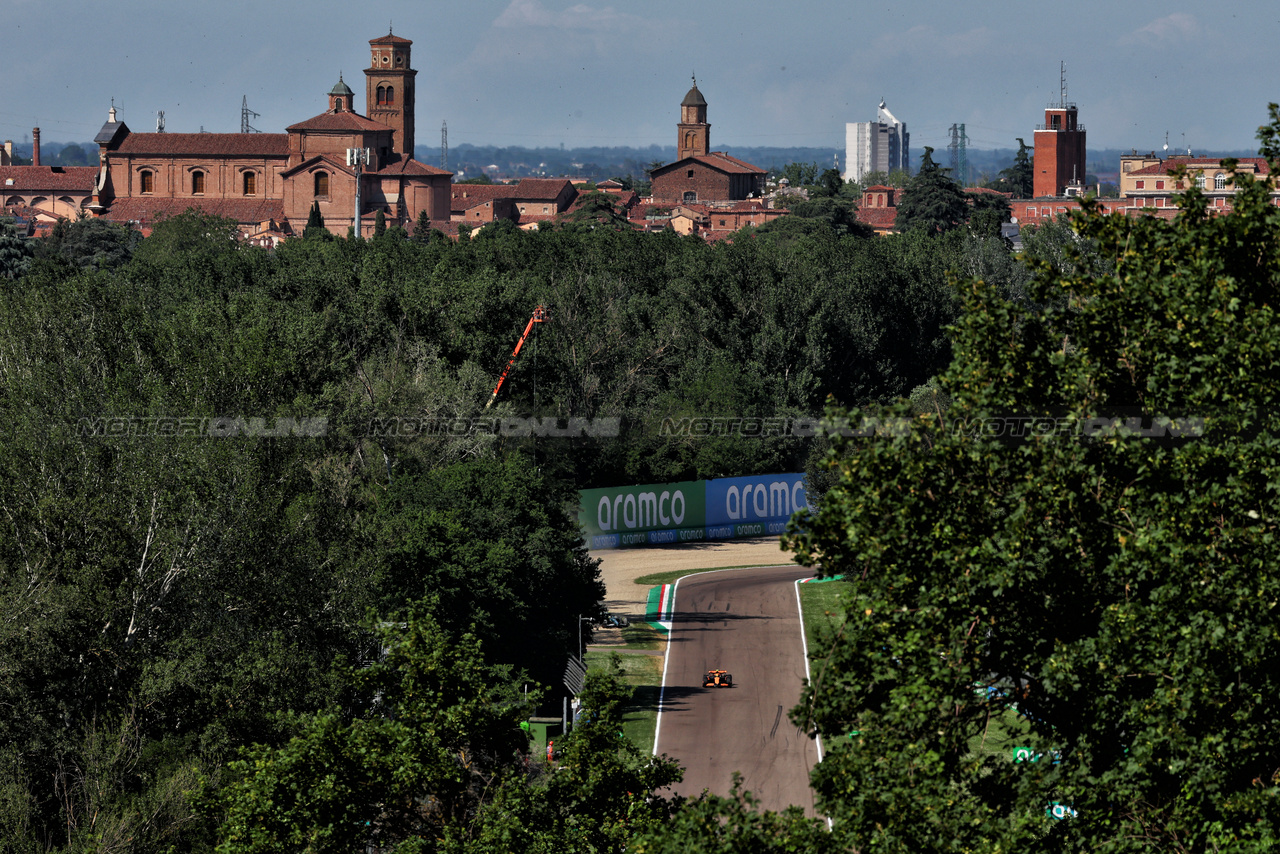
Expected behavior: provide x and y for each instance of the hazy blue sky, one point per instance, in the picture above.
(591, 72)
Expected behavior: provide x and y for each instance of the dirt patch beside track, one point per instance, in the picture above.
(621, 567)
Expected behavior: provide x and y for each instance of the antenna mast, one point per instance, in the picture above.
(444, 145)
(160, 121)
(245, 113)
(1062, 75)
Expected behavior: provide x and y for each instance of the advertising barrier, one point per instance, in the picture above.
(666, 513)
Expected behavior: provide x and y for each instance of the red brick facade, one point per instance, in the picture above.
(1059, 152)
(267, 182)
(701, 176)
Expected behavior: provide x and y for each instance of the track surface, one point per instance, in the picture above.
(745, 621)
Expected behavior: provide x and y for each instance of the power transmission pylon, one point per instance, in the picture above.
(959, 158)
(245, 113)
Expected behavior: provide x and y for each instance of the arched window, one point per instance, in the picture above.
(197, 183)
(250, 184)
(382, 94)
(322, 185)
(147, 181)
(1219, 181)
(391, 94)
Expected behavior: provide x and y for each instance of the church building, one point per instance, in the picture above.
(268, 182)
(700, 175)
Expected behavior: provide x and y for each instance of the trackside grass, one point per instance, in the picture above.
(821, 608)
(644, 674)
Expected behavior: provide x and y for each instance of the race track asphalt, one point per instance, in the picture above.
(745, 621)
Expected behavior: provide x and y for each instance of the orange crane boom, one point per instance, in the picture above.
(539, 315)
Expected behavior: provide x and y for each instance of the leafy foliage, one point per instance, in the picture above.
(931, 202)
(1103, 598)
(735, 825)
(90, 243)
(15, 251)
(1019, 178)
(439, 725)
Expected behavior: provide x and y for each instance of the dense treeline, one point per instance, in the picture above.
(171, 578)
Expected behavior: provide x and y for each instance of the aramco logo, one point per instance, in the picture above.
(640, 510)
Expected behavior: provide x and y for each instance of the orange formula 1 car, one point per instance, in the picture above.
(717, 679)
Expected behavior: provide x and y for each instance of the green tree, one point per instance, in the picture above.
(379, 223)
(598, 209)
(315, 222)
(931, 202)
(1019, 178)
(1101, 596)
(436, 725)
(15, 251)
(801, 174)
(987, 213)
(422, 228)
(829, 184)
(601, 792)
(837, 215)
(491, 542)
(735, 825)
(90, 243)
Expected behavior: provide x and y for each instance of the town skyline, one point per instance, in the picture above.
(541, 73)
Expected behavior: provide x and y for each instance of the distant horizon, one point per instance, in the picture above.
(596, 73)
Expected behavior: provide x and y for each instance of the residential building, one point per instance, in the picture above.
(879, 208)
(880, 146)
(527, 203)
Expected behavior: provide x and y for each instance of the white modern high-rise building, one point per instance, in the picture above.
(879, 146)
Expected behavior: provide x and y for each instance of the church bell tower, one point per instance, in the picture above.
(695, 133)
(389, 90)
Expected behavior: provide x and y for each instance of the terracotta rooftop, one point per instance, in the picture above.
(540, 189)
(466, 196)
(338, 121)
(30, 179)
(232, 144)
(717, 160)
(1260, 165)
(409, 166)
(389, 38)
(743, 166)
(878, 218)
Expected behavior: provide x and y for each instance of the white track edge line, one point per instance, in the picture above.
(666, 657)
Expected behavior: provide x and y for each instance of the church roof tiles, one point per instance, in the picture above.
(222, 144)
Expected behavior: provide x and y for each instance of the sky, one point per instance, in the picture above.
(540, 73)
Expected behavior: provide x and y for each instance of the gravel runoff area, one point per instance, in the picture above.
(621, 567)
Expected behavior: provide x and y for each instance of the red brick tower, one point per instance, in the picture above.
(389, 91)
(1059, 144)
(695, 133)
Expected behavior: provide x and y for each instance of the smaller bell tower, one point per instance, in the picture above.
(694, 132)
(389, 90)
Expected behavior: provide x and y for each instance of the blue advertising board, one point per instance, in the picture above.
(723, 508)
(755, 506)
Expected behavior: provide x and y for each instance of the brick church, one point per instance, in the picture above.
(267, 182)
(700, 175)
